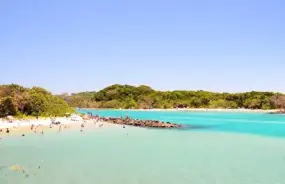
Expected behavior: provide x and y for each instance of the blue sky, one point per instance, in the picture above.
(79, 45)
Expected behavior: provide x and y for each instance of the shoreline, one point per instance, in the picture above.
(42, 126)
(20, 127)
(194, 110)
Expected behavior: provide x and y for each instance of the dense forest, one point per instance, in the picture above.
(144, 97)
(16, 100)
(20, 101)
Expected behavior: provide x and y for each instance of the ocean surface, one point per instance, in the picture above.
(211, 148)
(251, 123)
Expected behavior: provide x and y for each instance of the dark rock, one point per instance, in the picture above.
(139, 123)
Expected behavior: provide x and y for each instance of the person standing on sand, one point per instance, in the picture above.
(82, 126)
(32, 127)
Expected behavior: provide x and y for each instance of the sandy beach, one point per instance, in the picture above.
(41, 126)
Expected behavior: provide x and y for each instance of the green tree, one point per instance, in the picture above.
(7, 107)
(127, 96)
(130, 104)
(17, 100)
(253, 104)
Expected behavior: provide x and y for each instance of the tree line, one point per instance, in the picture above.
(144, 97)
(17, 100)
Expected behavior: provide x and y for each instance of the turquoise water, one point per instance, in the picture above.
(252, 123)
(215, 152)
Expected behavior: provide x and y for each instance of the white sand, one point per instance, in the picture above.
(19, 127)
(35, 122)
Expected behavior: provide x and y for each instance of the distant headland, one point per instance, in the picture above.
(16, 100)
(144, 97)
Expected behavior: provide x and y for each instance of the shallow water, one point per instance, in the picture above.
(252, 123)
(151, 156)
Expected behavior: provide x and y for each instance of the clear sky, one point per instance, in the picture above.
(78, 45)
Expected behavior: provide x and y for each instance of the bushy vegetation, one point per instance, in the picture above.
(19, 101)
(144, 97)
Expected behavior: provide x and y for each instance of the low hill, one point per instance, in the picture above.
(17, 100)
(127, 96)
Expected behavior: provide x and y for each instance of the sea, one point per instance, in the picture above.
(210, 148)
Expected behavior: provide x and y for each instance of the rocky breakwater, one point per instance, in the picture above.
(139, 123)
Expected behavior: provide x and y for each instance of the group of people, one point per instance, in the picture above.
(7, 130)
(39, 128)
(33, 128)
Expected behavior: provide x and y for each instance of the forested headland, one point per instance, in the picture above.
(144, 97)
(19, 101)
